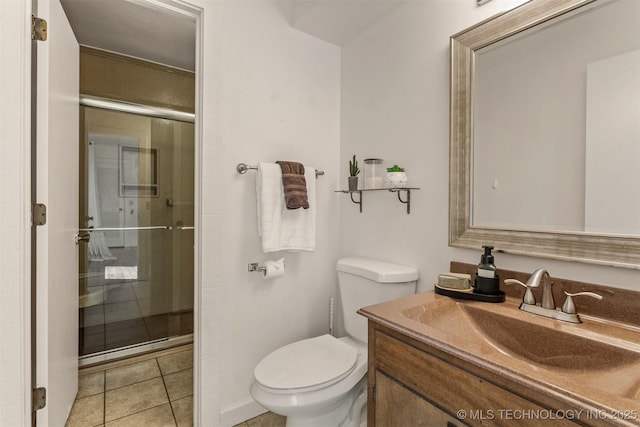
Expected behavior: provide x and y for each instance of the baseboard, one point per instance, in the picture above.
(241, 414)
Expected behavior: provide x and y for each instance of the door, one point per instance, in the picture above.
(56, 316)
(137, 277)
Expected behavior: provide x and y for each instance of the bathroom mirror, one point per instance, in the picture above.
(544, 142)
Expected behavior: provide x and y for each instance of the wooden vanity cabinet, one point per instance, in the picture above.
(413, 384)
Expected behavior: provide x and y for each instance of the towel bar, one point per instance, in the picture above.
(242, 168)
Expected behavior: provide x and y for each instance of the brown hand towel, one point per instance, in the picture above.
(295, 186)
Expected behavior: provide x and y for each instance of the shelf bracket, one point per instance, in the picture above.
(406, 202)
(359, 201)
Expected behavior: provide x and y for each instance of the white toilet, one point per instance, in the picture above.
(321, 381)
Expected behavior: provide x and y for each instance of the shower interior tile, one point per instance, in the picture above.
(186, 322)
(122, 292)
(92, 315)
(143, 295)
(91, 339)
(124, 333)
(121, 311)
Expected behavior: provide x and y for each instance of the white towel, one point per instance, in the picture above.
(282, 229)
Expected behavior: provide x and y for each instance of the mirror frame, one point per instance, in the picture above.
(615, 250)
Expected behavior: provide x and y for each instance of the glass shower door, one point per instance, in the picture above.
(136, 272)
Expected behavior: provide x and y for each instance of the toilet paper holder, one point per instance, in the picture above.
(254, 266)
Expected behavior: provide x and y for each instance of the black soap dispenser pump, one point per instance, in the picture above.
(487, 280)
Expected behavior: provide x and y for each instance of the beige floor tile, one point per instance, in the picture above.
(134, 398)
(90, 384)
(131, 374)
(176, 362)
(179, 384)
(183, 411)
(87, 412)
(159, 416)
(267, 420)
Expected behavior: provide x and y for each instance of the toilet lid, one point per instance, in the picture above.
(307, 363)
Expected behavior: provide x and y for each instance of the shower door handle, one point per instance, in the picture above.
(81, 237)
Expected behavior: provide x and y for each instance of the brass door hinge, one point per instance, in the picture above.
(39, 214)
(38, 398)
(38, 29)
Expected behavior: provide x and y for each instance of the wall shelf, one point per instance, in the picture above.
(396, 190)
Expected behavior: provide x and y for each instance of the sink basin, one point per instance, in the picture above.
(605, 356)
(543, 345)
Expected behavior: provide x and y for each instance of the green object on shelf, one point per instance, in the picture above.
(395, 168)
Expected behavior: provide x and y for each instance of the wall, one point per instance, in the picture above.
(395, 105)
(270, 92)
(113, 76)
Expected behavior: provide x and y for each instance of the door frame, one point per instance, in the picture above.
(15, 215)
(16, 308)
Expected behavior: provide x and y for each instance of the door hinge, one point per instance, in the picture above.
(38, 29)
(38, 398)
(373, 395)
(39, 214)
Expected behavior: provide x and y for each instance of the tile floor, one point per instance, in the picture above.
(148, 390)
(265, 420)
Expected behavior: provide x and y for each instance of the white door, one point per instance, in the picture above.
(57, 187)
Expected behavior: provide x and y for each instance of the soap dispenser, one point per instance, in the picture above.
(487, 280)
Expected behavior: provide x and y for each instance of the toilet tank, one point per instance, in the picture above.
(363, 282)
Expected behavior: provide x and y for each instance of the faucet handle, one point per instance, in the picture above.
(528, 297)
(569, 307)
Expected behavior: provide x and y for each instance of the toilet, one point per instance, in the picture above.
(321, 381)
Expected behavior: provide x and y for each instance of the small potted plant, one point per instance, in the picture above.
(354, 170)
(396, 177)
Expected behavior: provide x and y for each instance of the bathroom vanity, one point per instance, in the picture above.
(435, 360)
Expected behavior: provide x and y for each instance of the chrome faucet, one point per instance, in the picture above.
(548, 306)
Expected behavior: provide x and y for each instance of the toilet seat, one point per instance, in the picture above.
(307, 365)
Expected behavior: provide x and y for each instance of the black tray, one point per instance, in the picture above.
(471, 295)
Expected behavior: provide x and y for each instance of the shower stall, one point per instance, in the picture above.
(136, 269)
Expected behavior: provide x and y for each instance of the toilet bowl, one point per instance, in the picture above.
(321, 381)
(324, 378)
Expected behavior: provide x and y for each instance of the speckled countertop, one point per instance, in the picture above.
(593, 366)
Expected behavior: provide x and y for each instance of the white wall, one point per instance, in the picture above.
(270, 93)
(395, 105)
